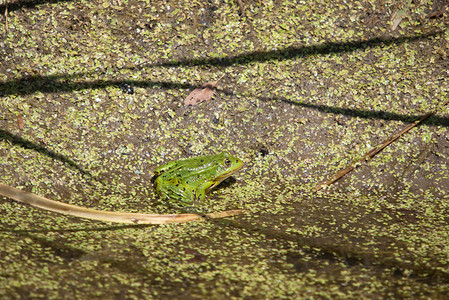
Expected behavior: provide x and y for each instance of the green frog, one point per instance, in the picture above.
(186, 181)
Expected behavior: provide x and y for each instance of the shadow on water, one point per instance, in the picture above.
(366, 114)
(296, 52)
(66, 83)
(330, 248)
(53, 84)
(14, 5)
(336, 248)
(72, 82)
(19, 141)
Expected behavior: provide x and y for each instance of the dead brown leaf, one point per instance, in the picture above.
(202, 93)
(20, 122)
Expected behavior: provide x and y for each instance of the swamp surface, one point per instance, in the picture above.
(91, 102)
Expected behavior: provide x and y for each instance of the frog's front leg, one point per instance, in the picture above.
(200, 192)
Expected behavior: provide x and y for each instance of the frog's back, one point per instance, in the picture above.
(187, 180)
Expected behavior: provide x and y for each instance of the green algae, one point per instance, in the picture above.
(315, 84)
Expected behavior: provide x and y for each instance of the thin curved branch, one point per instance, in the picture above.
(108, 216)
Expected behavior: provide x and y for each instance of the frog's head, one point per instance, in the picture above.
(227, 165)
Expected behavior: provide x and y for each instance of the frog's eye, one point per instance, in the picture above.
(227, 162)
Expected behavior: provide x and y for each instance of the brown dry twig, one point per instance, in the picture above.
(373, 152)
(6, 14)
(107, 216)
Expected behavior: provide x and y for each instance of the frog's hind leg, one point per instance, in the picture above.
(199, 197)
(177, 196)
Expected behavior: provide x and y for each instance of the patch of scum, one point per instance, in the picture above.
(293, 243)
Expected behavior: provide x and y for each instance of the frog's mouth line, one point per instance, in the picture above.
(224, 176)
